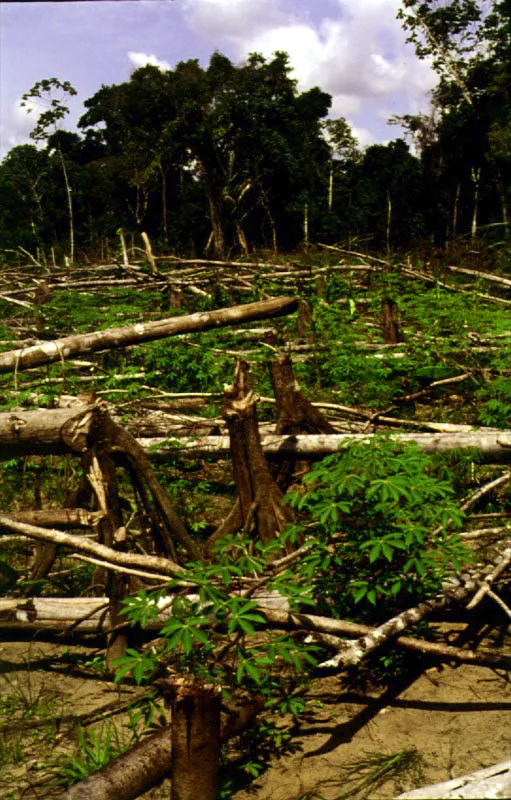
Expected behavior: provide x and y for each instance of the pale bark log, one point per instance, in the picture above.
(60, 431)
(64, 348)
(340, 628)
(55, 432)
(487, 276)
(57, 517)
(494, 781)
(493, 446)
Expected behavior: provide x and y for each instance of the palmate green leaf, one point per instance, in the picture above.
(375, 552)
(387, 551)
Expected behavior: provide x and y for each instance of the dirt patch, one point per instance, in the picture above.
(452, 721)
(457, 719)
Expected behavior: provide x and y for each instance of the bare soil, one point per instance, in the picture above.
(455, 720)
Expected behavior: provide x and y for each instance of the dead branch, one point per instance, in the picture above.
(161, 566)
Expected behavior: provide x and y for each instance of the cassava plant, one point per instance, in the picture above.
(378, 525)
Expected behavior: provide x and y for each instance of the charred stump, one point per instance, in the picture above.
(296, 415)
(390, 321)
(259, 505)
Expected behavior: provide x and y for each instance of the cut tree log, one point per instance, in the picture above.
(493, 446)
(61, 349)
(57, 517)
(70, 430)
(79, 544)
(148, 763)
(195, 745)
(494, 781)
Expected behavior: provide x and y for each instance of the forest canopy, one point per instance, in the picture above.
(227, 158)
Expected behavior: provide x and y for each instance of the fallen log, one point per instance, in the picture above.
(494, 781)
(494, 447)
(53, 432)
(69, 430)
(61, 349)
(148, 763)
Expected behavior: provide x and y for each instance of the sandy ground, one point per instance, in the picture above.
(457, 719)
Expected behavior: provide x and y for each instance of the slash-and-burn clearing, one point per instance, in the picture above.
(308, 461)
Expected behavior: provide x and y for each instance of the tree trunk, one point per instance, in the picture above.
(390, 321)
(69, 207)
(215, 203)
(59, 349)
(259, 496)
(195, 749)
(149, 762)
(476, 179)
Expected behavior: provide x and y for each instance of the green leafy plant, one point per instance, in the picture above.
(94, 750)
(378, 530)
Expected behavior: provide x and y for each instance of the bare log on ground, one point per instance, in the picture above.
(87, 614)
(60, 431)
(494, 781)
(53, 432)
(70, 430)
(61, 349)
(148, 763)
(493, 446)
(487, 276)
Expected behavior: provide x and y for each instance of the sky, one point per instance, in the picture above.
(353, 49)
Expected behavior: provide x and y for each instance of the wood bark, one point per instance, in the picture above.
(338, 628)
(493, 446)
(487, 276)
(296, 416)
(71, 430)
(390, 321)
(60, 349)
(148, 763)
(260, 499)
(68, 518)
(53, 432)
(80, 544)
(195, 747)
(89, 614)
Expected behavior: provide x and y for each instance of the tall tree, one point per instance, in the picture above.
(242, 133)
(52, 96)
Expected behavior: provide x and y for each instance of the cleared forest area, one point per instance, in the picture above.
(260, 479)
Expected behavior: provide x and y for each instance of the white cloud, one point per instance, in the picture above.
(17, 124)
(143, 60)
(232, 19)
(359, 55)
(364, 136)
